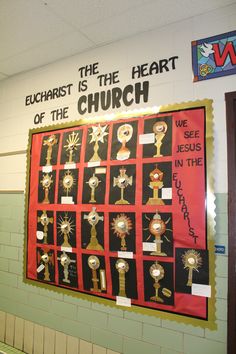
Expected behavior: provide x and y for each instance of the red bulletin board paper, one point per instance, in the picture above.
(187, 166)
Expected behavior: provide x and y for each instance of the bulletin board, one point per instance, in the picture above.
(121, 211)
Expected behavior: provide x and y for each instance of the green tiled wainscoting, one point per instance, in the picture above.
(4, 348)
(98, 326)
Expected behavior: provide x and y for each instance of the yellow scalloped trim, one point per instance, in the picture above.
(207, 104)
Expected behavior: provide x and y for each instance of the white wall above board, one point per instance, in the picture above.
(39, 32)
(168, 87)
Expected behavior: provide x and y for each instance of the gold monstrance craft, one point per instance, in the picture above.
(45, 221)
(71, 146)
(157, 228)
(192, 261)
(122, 181)
(46, 259)
(124, 134)
(46, 182)
(93, 183)
(65, 262)
(93, 218)
(94, 264)
(98, 133)
(66, 228)
(68, 182)
(157, 272)
(121, 226)
(159, 129)
(50, 142)
(122, 267)
(156, 177)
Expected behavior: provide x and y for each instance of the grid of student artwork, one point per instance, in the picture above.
(111, 212)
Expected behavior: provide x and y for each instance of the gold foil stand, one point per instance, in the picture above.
(192, 261)
(71, 146)
(65, 262)
(159, 129)
(156, 177)
(68, 182)
(122, 181)
(66, 228)
(46, 182)
(45, 221)
(98, 133)
(50, 142)
(93, 183)
(122, 267)
(157, 228)
(121, 226)
(124, 134)
(93, 218)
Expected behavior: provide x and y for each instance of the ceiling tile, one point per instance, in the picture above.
(147, 17)
(27, 24)
(84, 12)
(46, 53)
(129, 23)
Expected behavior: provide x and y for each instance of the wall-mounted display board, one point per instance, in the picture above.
(121, 211)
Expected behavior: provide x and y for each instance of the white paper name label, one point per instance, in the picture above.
(94, 164)
(123, 301)
(149, 246)
(146, 138)
(201, 290)
(100, 170)
(122, 254)
(69, 166)
(166, 193)
(39, 235)
(66, 249)
(67, 200)
(47, 169)
(40, 268)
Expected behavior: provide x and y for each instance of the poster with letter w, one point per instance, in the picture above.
(214, 56)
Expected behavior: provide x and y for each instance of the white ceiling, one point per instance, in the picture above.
(38, 32)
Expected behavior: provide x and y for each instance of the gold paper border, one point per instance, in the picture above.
(210, 202)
